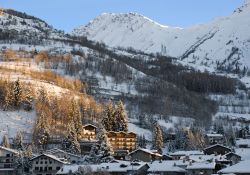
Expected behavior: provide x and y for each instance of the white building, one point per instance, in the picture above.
(46, 164)
(7, 158)
(214, 138)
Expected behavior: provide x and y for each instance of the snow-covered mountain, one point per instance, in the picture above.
(22, 28)
(221, 43)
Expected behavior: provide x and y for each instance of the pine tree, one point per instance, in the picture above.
(121, 118)
(157, 139)
(43, 98)
(41, 133)
(55, 112)
(9, 96)
(5, 142)
(220, 129)
(108, 118)
(28, 152)
(18, 141)
(70, 143)
(142, 141)
(28, 98)
(75, 117)
(104, 146)
(17, 90)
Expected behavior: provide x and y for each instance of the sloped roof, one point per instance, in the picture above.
(52, 157)
(233, 154)
(216, 145)
(123, 166)
(164, 166)
(241, 167)
(146, 151)
(214, 135)
(201, 165)
(9, 150)
(186, 153)
(56, 150)
(89, 125)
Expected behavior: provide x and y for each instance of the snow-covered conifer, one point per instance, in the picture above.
(5, 141)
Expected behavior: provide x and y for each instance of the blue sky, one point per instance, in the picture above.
(67, 14)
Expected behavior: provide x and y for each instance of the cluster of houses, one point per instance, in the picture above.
(216, 159)
(130, 160)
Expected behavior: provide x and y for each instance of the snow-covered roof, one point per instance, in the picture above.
(122, 166)
(9, 150)
(201, 165)
(52, 157)
(164, 166)
(202, 158)
(244, 153)
(186, 153)
(232, 153)
(243, 142)
(56, 150)
(214, 135)
(89, 125)
(219, 145)
(241, 167)
(67, 168)
(146, 151)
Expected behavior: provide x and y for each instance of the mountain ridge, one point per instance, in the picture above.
(141, 33)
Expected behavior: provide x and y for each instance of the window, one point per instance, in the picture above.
(45, 162)
(36, 162)
(50, 168)
(58, 168)
(45, 169)
(36, 168)
(7, 155)
(41, 162)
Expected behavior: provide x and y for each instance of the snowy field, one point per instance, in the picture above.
(11, 122)
(140, 131)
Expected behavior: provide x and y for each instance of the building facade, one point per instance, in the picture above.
(88, 132)
(122, 140)
(7, 159)
(46, 164)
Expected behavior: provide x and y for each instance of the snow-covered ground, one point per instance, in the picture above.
(243, 152)
(224, 40)
(140, 131)
(13, 121)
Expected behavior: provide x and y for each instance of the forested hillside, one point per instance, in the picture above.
(150, 85)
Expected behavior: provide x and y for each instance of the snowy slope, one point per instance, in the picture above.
(225, 40)
(13, 121)
(23, 27)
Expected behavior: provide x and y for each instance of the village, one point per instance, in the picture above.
(123, 94)
(128, 158)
